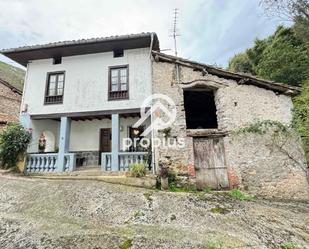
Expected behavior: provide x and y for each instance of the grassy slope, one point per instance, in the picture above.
(13, 75)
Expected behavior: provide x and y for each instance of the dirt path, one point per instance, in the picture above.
(89, 214)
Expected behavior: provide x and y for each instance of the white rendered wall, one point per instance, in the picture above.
(85, 135)
(86, 82)
(39, 126)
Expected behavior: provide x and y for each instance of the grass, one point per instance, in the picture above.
(289, 246)
(212, 246)
(187, 188)
(127, 244)
(218, 210)
(238, 195)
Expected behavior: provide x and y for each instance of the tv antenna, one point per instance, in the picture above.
(174, 30)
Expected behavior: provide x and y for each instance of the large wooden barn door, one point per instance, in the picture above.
(210, 165)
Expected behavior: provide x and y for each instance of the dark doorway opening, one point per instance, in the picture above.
(200, 110)
(105, 141)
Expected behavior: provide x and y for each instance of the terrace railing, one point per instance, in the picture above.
(48, 163)
(125, 160)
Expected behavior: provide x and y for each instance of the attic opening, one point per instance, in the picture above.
(57, 60)
(118, 53)
(200, 108)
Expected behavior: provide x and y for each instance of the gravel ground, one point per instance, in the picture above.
(37, 213)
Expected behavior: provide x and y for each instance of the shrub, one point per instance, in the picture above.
(137, 170)
(14, 141)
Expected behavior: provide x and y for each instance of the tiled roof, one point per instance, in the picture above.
(239, 77)
(78, 42)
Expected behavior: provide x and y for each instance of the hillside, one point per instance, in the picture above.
(13, 75)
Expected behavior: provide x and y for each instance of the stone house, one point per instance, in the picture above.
(212, 104)
(10, 99)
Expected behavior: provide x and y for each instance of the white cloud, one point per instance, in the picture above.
(211, 30)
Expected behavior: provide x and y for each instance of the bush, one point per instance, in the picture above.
(14, 141)
(137, 170)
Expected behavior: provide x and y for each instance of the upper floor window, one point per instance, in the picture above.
(118, 82)
(54, 88)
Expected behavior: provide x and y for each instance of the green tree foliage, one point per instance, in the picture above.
(281, 57)
(301, 116)
(14, 141)
(296, 11)
(241, 63)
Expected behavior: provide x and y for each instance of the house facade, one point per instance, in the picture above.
(81, 98)
(10, 99)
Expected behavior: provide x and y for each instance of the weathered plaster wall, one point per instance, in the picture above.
(252, 162)
(267, 164)
(86, 82)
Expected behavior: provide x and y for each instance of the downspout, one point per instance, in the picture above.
(151, 116)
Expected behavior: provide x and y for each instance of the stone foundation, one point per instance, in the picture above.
(91, 157)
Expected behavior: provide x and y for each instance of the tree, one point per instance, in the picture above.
(301, 116)
(296, 11)
(241, 63)
(281, 57)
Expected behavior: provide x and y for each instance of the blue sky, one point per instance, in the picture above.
(212, 31)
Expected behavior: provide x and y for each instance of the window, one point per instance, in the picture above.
(118, 53)
(54, 88)
(200, 110)
(57, 60)
(118, 82)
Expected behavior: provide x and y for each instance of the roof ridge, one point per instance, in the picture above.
(77, 41)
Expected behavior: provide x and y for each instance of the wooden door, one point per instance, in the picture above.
(105, 141)
(210, 164)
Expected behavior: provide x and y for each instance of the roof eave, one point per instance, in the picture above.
(240, 78)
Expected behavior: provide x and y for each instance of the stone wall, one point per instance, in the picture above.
(9, 102)
(91, 157)
(252, 162)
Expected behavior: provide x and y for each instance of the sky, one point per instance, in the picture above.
(211, 31)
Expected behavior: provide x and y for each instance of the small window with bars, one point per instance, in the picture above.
(118, 83)
(54, 88)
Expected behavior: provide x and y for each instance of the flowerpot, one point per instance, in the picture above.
(164, 183)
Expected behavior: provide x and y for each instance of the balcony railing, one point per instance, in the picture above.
(48, 163)
(125, 160)
(41, 163)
